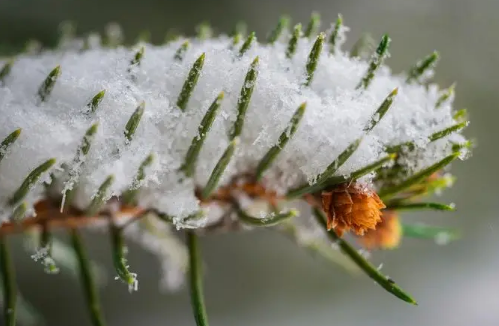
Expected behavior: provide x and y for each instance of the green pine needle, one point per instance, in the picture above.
(282, 25)
(81, 152)
(137, 58)
(48, 84)
(26, 314)
(8, 283)
(30, 182)
(461, 115)
(190, 83)
(240, 28)
(421, 231)
(446, 94)
(270, 220)
(171, 35)
(88, 283)
(293, 42)
(333, 39)
(422, 66)
(247, 44)
(433, 137)
(87, 139)
(198, 140)
(388, 192)
(133, 122)
(179, 55)
(144, 37)
(235, 40)
(5, 71)
(381, 111)
(119, 257)
(417, 206)
(130, 195)
(376, 62)
(335, 180)
(448, 131)
(98, 199)
(95, 101)
(204, 31)
(8, 141)
(371, 271)
(339, 161)
(19, 213)
(313, 25)
(244, 98)
(313, 58)
(219, 169)
(196, 280)
(286, 135)
(327, 174)
(363, 46)
(458, 147)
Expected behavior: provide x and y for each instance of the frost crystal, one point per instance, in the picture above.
(43, 255)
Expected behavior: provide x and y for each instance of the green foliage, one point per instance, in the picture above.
(198, 140)
(48, 84)
(313, 58)
(385, 282)
(376, 62)
(286, 135)
(190, 83)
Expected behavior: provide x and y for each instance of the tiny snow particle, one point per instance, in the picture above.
(443, 238)
(43, 255)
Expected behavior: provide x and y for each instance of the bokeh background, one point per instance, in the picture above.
(260, 278)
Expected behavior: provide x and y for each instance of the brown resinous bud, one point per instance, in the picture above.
(350, 206)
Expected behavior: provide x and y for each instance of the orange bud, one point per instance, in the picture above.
(351, 207)
(387, 235)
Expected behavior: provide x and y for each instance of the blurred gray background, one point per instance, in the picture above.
(261, 278)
